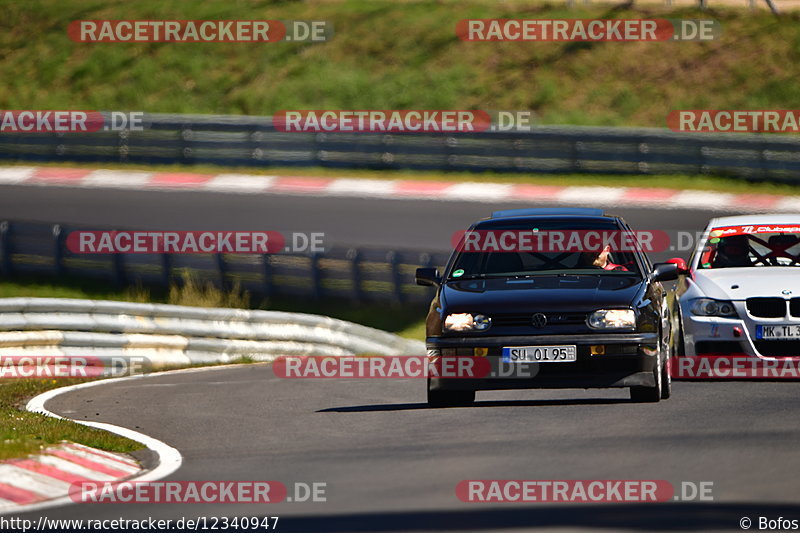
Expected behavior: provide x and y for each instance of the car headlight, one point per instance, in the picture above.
(466, 322)
(612, 318)
(709, 307)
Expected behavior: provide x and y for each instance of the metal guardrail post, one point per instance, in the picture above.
(223, 270)
(266, 272)
(5, 248)
(119, 269)
(316, 276)
(355, 272)
(58, 250)
(166, 269)
(118, 264)
(123, 149)
(187, 135)
(426, 260)
(576, 150)
(397, 279)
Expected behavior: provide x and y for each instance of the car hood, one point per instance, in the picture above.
(751, 281)
(540, 293)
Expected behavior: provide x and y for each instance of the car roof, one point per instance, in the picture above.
(749, 220)
(548, 211)
(503, 221)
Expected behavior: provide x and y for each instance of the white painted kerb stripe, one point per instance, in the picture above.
(239, 183)
(478, 191)
(13, 175)
(117, 179)
(359, 187)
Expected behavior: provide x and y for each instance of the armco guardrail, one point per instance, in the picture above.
(167, 335)
(356, 274)
(253, 141)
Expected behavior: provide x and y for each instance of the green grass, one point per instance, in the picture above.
(388, 55)
(23, 433)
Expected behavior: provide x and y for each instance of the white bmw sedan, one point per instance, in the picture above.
(740, 293)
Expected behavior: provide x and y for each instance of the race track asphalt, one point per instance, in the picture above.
(386, 223)
(392, 464)
(389, 462)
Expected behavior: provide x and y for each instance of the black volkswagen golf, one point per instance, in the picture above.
(552, 298)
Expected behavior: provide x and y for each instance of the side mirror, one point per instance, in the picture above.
(664, 272)
(429, 277)
(681, 264)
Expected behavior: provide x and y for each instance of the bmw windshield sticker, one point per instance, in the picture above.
(458, 273)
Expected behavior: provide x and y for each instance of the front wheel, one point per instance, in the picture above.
(666, 382)
(450, 398)
(651, 394)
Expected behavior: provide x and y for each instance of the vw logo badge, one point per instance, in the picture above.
(786, 292)
(539, 320)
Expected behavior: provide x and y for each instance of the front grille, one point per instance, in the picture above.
(766, 307)
(718, 347)
(525, 320)
(794, 307)
(778, 348)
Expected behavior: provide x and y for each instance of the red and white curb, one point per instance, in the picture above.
(51, 474)
(76, 460)
(398, 189)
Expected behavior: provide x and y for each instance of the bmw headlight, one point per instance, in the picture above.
(612, 318)
(710, 307)
(466, 322)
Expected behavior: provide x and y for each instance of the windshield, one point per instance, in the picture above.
(504, 249)
(751, 246)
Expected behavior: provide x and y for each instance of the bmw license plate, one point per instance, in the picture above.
(539, 354)
(777, 331)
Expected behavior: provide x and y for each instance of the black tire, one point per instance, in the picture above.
(666, 379)
(645, 394)
(651, 394)
(450, 398)
(680, 347)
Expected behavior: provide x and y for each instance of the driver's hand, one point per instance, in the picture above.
(602, 257)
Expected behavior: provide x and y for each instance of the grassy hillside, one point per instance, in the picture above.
(393, 55)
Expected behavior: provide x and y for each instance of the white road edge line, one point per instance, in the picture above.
(169, 458)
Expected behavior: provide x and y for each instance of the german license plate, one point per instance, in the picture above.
(777, 331)
(539, 354)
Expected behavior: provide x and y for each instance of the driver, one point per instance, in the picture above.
(589, 259)
(733, 251)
